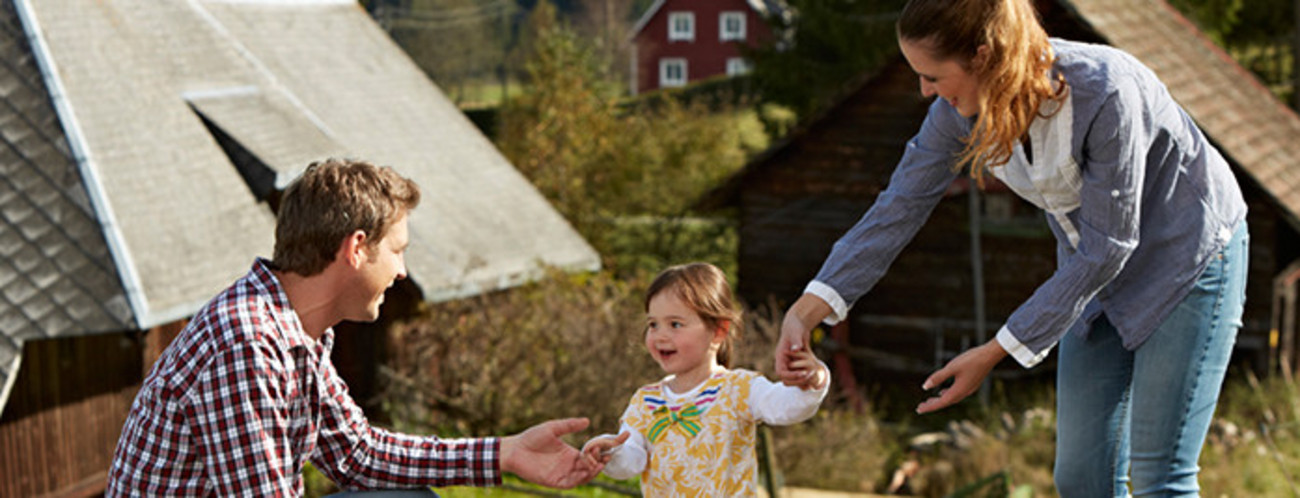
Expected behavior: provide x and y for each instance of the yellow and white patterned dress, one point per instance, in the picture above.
(702, 443)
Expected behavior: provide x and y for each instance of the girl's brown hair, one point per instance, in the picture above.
(334, 198)
(704, 288)
(1012, 70)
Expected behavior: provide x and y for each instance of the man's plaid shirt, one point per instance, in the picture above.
(244, 397)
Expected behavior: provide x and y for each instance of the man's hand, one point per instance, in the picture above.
(803, 315)
(967, 372)
(540, 456)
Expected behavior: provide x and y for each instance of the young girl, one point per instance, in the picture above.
(693, 433)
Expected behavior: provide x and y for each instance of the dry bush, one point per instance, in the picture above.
(568, 345)
(837, 449)
(1257, 421)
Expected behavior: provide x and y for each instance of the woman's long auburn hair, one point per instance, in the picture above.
(1011, 70)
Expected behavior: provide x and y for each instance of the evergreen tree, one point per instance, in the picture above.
(827, 44)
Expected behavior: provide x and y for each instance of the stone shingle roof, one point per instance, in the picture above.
(56, 273)
(121, 210)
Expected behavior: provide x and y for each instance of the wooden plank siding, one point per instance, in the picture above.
(72, 395)
(64, 415)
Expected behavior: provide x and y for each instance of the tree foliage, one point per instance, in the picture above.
(455, 42)
(600, 163)
(1235, 24)
(829, 43)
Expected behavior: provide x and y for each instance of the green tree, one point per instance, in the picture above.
(558, 132)
(458, 43)
(624, 176)
(827, 43)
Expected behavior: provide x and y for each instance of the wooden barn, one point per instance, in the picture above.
(142, 144)
(797, 198)
(676, 42)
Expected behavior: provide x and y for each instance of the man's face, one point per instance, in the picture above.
(385, 264)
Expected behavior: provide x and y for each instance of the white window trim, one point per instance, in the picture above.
(723, 35)
(673, 34)
(737, 66)
(664, 63)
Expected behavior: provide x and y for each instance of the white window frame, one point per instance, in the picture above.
(725, 35)
(687, 20)
(664, 78)
(737, 66)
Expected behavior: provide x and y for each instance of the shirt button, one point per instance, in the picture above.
(1114, 193)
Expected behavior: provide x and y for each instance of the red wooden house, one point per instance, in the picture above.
(680, 41)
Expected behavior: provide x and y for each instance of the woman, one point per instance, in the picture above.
(1147, 296)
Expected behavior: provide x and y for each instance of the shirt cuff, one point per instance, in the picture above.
(839, 310)
(1023, 355)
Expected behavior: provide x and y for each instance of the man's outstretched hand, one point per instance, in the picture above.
(540, 456)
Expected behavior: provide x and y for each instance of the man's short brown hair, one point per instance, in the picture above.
(332, 199)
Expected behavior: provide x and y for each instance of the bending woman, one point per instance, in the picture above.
(1147, 295)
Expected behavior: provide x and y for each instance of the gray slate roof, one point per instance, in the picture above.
(119, 210)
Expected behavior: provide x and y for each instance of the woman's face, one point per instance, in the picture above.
(946, 78)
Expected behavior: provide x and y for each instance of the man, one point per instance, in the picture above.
(246, 394)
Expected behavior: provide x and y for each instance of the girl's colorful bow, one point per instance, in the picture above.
(680, 417)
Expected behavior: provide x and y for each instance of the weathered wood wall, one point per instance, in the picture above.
(64, 415)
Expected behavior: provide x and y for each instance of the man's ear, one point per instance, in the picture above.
(352, 249)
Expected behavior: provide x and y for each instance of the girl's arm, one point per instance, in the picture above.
(779, 404)
(626, 460)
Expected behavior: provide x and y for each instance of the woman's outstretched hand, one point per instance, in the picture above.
(967, 372)
(803, 315)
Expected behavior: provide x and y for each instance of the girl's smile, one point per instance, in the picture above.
(680, 341)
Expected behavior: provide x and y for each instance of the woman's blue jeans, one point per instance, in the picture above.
(1139, 418)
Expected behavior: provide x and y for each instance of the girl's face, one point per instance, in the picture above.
(947, 78)
(682, 343)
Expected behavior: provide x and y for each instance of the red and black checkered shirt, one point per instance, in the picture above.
(244, 397)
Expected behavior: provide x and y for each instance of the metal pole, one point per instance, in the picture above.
(977, 277)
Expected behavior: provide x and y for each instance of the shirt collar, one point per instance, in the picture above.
(286, 319)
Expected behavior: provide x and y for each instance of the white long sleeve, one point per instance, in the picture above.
(629, 459)
(778, 404)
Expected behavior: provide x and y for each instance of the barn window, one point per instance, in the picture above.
(731, 26)
(681, 26)
(672, 72)
(737, 66)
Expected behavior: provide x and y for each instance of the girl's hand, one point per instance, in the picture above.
(600, 450)
(803, 315)
(814, 374)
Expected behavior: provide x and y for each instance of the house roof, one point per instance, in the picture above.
(120, 210)
(765, 8)
(1244, 119)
